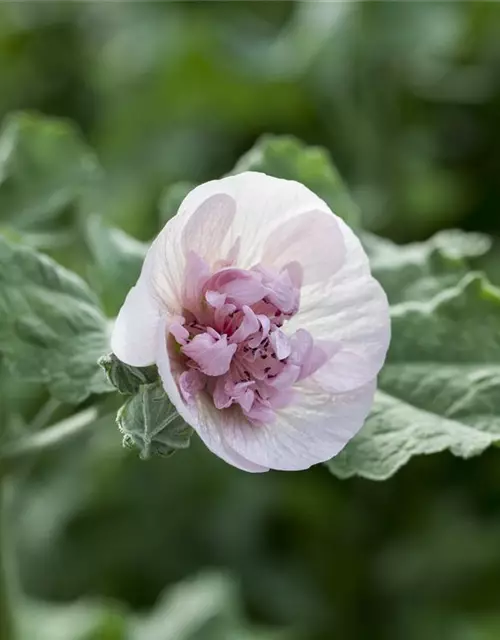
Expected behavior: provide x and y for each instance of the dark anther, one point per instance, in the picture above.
(267, 369)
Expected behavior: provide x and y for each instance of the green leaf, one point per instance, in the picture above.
(282, 157)
(117, 262)
(287, 157)
(84, 620)
(123, 377)
(150, 422)
(201, 607)
(440, 388)
(45, 166)
(421, 270)
(172, 198)
(205, 607)
(52, 330)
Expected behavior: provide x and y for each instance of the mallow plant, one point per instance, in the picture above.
(262, 319)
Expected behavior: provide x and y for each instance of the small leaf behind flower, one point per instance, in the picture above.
(150, 422)
(420, 270)
(282, 157)
(117, 261)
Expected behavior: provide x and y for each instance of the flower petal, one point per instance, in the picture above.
(315, 428)
(196, 274)
(202, 230)
(249, 324)
(351, 312)
(263, 204)
(191, 382)
(208, 226)
(239, 286)
(281, 344)
(312, 239)
(212, 356)
(207, 421)
(212, 427)
(170, 370)
(134, 335)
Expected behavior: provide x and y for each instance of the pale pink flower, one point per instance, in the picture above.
(258, 306)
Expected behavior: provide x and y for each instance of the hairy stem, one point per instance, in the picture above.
(47, 439)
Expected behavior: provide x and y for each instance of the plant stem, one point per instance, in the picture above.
(7, 623)
(44, 416)
(44, 440)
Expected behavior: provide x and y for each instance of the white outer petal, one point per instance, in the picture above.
(134, 335)
(313, 239)
(313, 429)
(262, 203)
(213, 428)
(351, 310)
(158, 291)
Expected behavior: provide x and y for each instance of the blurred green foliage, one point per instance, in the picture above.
(406, 96)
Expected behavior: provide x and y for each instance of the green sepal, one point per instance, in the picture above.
(150, 423)
(123, 377)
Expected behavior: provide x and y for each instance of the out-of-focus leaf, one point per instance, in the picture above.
(123, 377)
(172, 198)
(52, 330)
(202, 608)
(198, 609)
(440, 388)
(45, 166)
(117, 262)
(287, 157)
(150, 422)
(420, 270)
(282, 157)
(79, 621)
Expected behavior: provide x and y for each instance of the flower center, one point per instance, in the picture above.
(231, 341)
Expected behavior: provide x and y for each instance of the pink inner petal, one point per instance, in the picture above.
(231, 341)
(281, 344)
(190, 383)
(249, 325)
(240, 286)
(212, 356)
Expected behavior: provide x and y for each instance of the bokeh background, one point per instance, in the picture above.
(406, 96)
